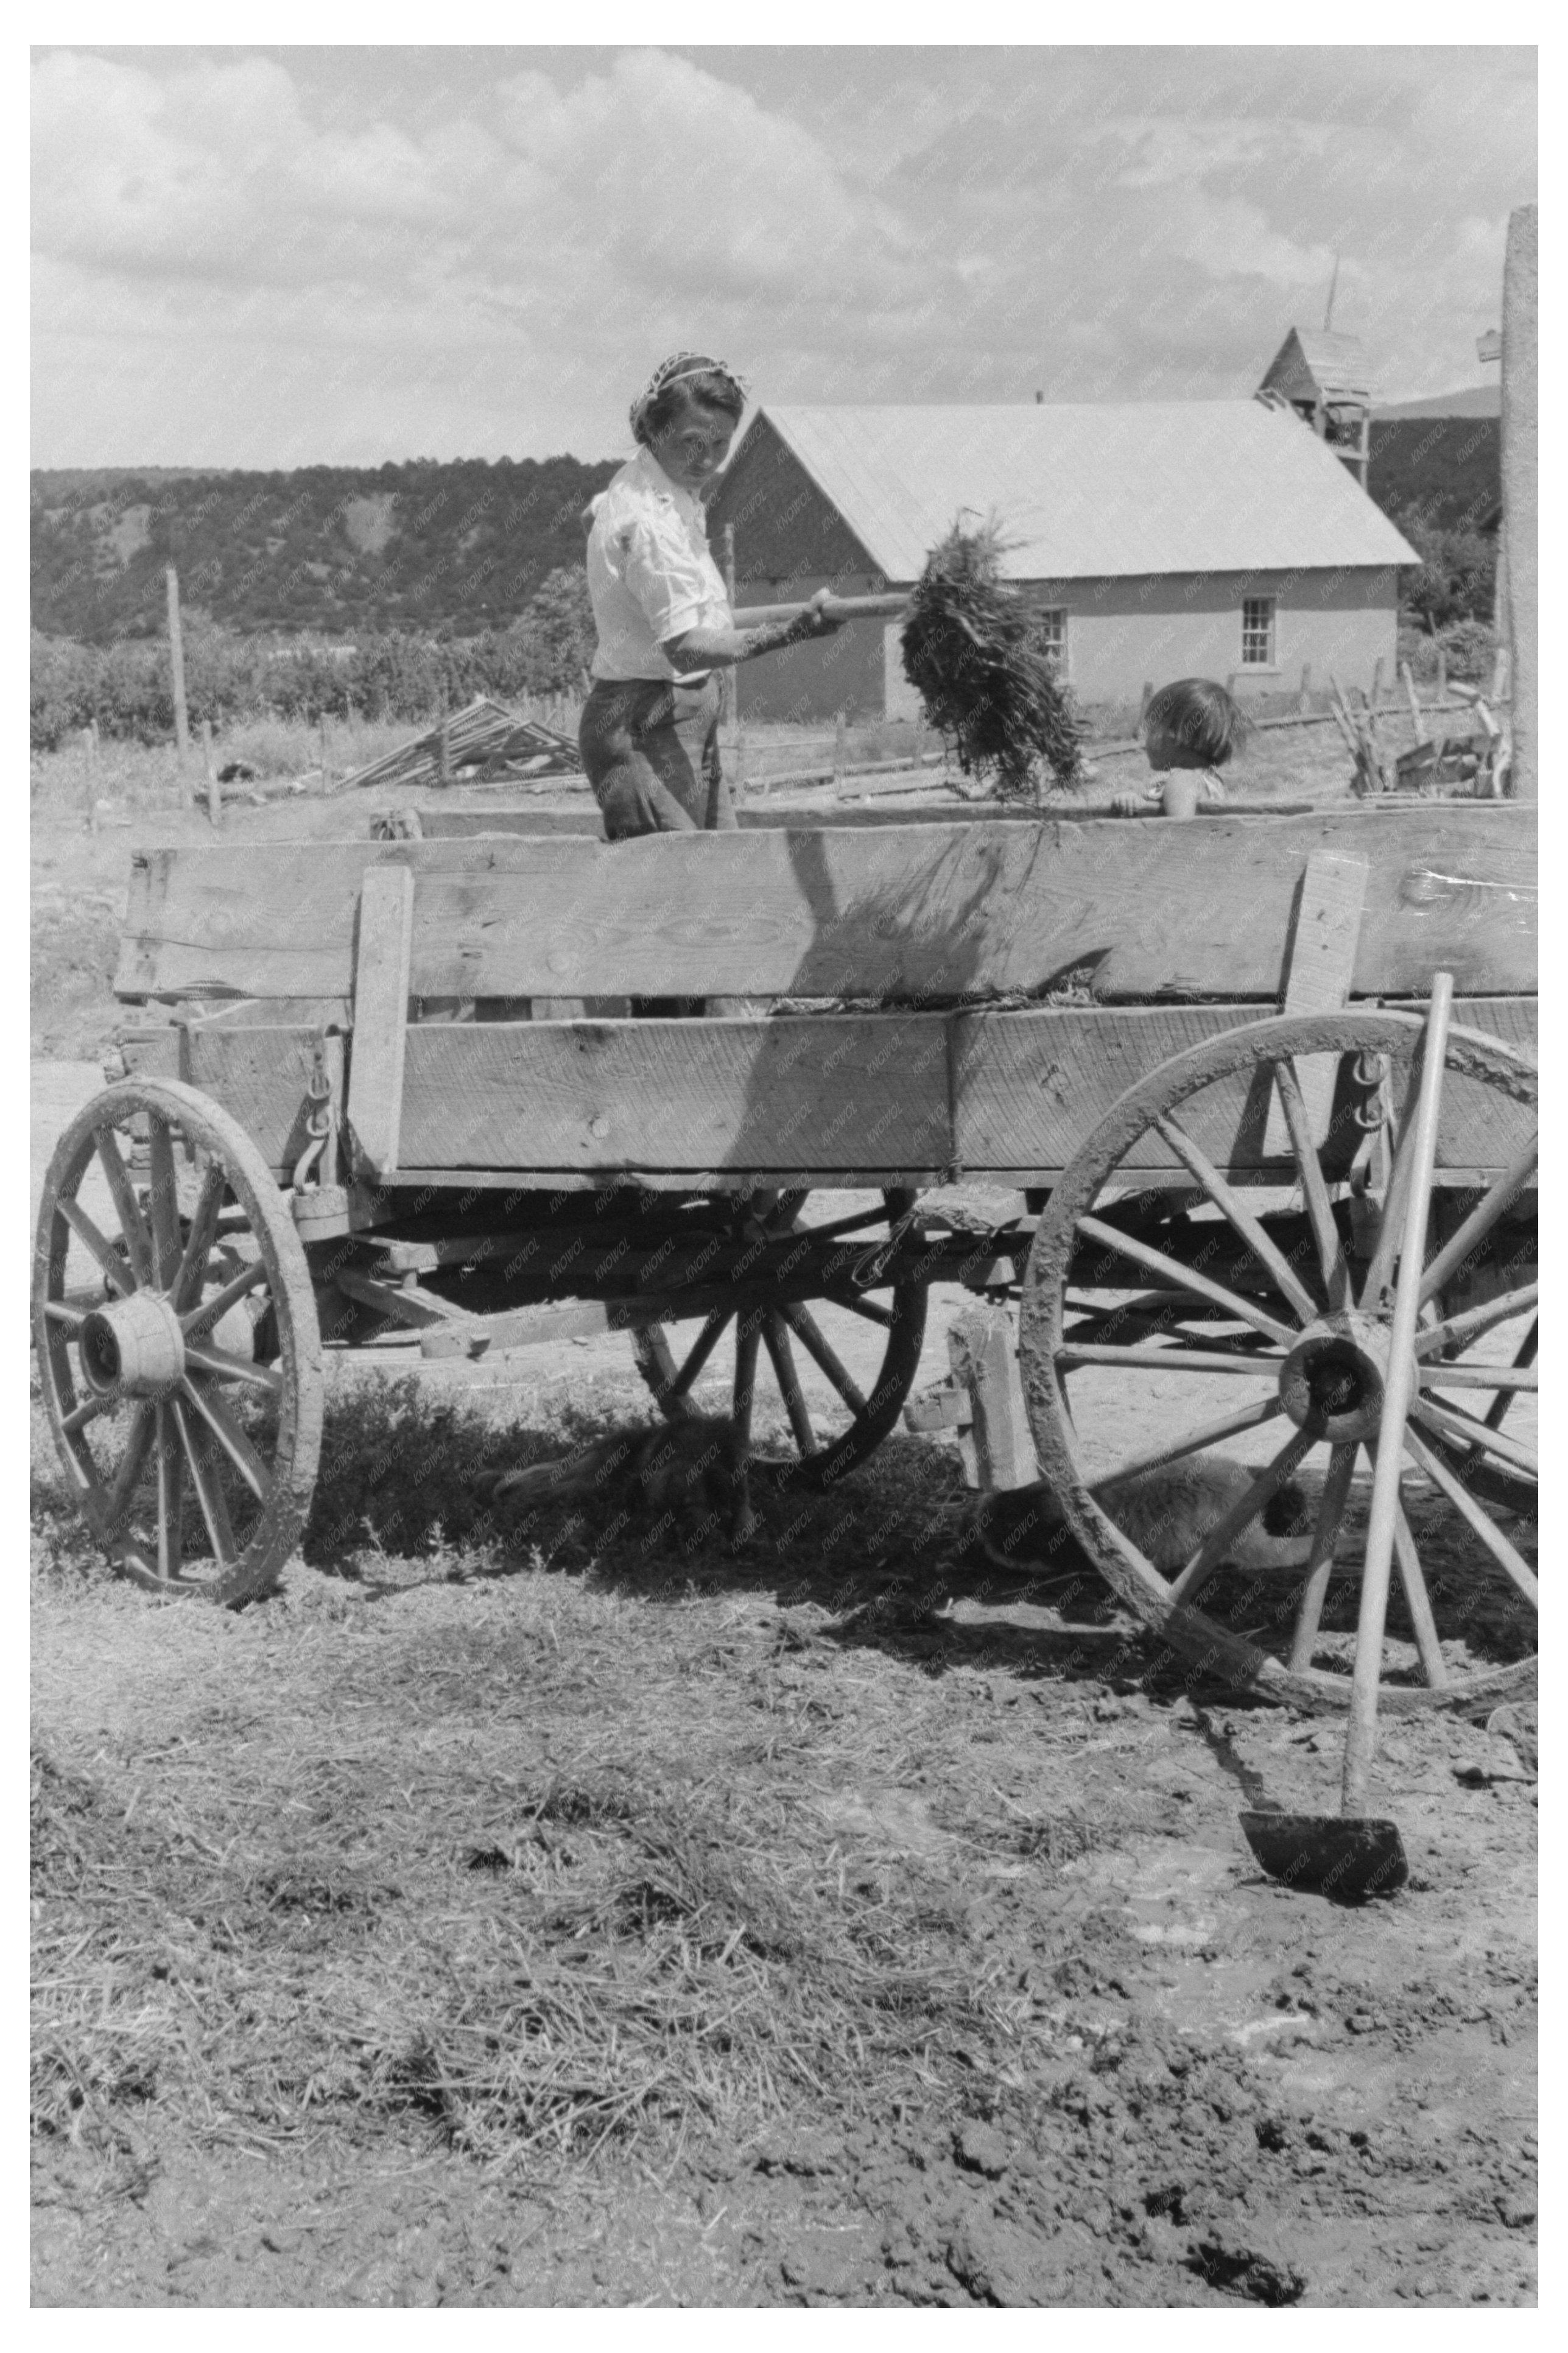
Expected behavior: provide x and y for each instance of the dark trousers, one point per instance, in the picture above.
(650, 751)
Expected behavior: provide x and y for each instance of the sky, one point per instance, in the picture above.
(281, 257)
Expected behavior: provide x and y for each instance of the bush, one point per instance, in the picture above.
(127, 687)
(1458, 578)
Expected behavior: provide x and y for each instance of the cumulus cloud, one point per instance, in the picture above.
(232, 266)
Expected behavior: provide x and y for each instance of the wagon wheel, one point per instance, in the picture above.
(830, 1440)
(178, 1344)
(1222, 1311)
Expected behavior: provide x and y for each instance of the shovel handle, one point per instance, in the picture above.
(889, 608)
(1383, 1519)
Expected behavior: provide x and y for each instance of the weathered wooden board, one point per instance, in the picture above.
(813, 1093)
(382, 958)
(1029, 1088)
(845, 1096)
(1324, 931)
(263, 1077)
(914, 912)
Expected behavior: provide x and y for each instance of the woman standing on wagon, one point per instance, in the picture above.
(649, 732)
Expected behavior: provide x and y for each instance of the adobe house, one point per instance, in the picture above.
(1161, 540)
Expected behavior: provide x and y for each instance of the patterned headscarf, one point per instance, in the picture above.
(674, 370)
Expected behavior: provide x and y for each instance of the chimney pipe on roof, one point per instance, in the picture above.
(1039, 400)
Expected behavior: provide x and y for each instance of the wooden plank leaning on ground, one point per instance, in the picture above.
(1016, 1092)
(915, 913)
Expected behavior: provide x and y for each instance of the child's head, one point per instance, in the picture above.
(1193, 723)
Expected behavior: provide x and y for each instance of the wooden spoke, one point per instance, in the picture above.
(73, 1318)
(1210, 1434)
(1524, 1357)
(1465, 1430)
(1465, 1503)
(208, 1487)
(775, 1338)
(701, 1348)
(164, 1202)
(133, 1225)
(1266, 1252)
(1169, 1360)
(1458, 1331)
(201, 1317)
(804, 1324)
(1320, 1560)
(1480, 1377)
(132, 1465)
(1481, 1220)
(1270, 1480)
(171, 1492)
(747, 1340)
(116, 1273)
(1391, 1226)
(868, 1309)
(1243, 1311)
(1314, 1192)
(1416, 1599)
(87, 1410)
(229, 1435)
(199, 1243)
(223, 1366)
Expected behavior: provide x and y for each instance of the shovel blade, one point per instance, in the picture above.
(1346, 1857)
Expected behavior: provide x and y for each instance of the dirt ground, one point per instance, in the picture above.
(528, 1914)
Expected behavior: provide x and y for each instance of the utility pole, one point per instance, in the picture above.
(1520, 445)
(1328, 305)
(177, 661)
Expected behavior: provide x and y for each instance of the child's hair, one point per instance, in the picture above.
(1202, 716)
(706, 382)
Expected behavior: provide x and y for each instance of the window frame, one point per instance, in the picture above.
(1271, 658)
(1058, 654)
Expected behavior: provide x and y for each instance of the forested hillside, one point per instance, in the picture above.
(454, 549)
(1446, 469)
(333, 550)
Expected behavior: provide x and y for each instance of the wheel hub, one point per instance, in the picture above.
(132, 1347)
(1333, 1380)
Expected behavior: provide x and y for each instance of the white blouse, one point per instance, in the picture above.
(650, 575)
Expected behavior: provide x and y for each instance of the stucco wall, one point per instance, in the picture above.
(1121, 635)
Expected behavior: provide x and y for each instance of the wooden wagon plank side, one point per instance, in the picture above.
(263, 1077)
(913, 912)
(1029, 1088)
(829, 1093)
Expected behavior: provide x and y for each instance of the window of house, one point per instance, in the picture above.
(1257, 633)
(1052, 625)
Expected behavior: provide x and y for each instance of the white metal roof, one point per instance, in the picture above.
(1094, 492)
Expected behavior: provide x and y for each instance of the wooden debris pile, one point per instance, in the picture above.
(483, 743)
(1441, 768)
(972, 650)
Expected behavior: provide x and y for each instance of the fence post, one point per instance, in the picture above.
(177, 663)
(1377, 695)
(1304, 704)
(1442, 676)
(214, 791)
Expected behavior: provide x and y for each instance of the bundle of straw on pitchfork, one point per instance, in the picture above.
(973, 651)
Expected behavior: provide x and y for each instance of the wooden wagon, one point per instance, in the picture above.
(454, 1085)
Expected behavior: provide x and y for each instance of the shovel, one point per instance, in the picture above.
(1353, 1854)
